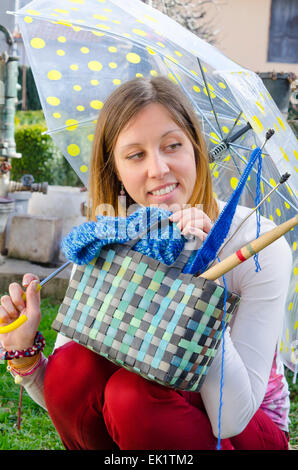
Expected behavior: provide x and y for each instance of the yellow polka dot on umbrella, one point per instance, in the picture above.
(59, 10)
(151, 51)
(60, 52)
(94, 65)
(258, 125)
(77, 87)
(139, 32)
(54, 75)
(84, 50)
(96, 104)
(103, 26)
(113, 65)
(234, 182)
(73, 150)
(84, 168)
(74, 67)
(37, 43)
(284, 154)
(33, 12)
(282, 125)
(272, 182)
(133, 58)
(53, 101)
(71, 124)
(100, 17)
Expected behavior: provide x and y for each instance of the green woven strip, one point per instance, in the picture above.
(190, 346)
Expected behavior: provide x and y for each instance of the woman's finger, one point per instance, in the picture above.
(194, 231)
(29, 277)
(16, 293)
(4, 317)
(9, 307)
(194, 217)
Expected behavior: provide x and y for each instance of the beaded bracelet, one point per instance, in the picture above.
(38, 345)
(20, 373)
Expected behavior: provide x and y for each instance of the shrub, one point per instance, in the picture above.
(37, 153)
(40, 156)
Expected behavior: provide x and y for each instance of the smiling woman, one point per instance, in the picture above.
(155, 131)
(148, 141)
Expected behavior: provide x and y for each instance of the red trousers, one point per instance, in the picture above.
(96, 405)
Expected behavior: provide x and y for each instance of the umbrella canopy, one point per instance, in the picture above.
(81, 50)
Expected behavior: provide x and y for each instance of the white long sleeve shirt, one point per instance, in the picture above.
(250, 341)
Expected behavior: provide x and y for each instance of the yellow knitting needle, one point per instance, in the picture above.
(22, 318)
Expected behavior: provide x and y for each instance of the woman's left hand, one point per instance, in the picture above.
(192, 221)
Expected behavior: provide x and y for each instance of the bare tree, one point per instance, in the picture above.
(191, 14)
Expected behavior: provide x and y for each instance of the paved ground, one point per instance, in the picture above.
(12, 270)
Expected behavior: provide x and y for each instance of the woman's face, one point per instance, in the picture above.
(155, 159)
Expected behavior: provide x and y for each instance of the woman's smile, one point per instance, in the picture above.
(155, 159)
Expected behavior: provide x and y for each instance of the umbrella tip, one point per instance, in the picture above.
(270, 133)
(284, 178)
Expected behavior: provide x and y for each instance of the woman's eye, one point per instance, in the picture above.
(174, 146)
(135, 156)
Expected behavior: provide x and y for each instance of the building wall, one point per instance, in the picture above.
(244, 34)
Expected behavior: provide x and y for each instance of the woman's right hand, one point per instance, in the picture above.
(14, 305)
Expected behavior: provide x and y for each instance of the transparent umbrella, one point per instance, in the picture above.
(81, 50)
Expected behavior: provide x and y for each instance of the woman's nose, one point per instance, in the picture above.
(157, 166)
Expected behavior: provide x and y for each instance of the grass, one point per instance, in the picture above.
(37, 431)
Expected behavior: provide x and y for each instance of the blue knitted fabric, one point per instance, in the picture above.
(84, 242)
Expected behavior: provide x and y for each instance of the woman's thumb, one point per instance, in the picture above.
(33, 297)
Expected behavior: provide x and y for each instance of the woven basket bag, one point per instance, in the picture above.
(146, 316)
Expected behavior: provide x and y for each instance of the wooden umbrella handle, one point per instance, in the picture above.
(249, 250)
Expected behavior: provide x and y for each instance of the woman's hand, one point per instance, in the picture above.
(192, 221)
(14, 305)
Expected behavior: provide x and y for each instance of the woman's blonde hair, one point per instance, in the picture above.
(119, 108)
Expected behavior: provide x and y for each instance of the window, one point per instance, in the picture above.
(283, 34)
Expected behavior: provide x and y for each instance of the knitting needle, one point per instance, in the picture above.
(22, 318)
(49, 277)
(282, 180)
(249, 250)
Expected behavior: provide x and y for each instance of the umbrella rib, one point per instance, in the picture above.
(267, 182)
(208, 93)
(243, 147)
(62, 128)
(188, 95)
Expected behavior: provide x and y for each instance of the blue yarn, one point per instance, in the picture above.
(222, 362)
(207, 253)
(258, 213)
